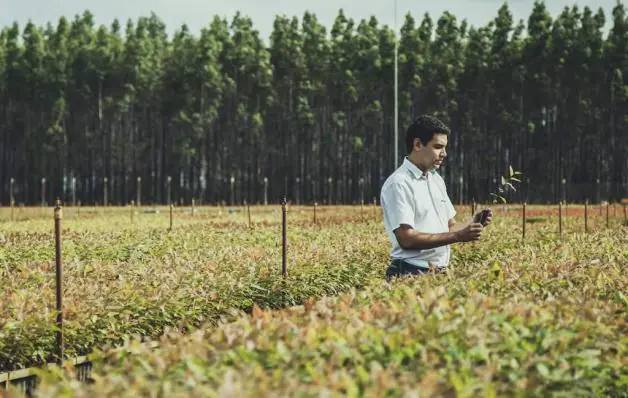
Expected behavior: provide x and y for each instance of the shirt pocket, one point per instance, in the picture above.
(420, 210)
(442, 203)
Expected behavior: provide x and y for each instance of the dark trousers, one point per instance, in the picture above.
(401, 268)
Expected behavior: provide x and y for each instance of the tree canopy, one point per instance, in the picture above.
(126, 106)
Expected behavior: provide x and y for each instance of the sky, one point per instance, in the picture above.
(198, 13)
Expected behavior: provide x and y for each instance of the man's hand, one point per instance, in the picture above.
(469, 233)
(489, 218)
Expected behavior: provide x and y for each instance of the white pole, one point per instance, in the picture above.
(396, 95)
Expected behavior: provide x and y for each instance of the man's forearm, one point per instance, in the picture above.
(457, 227)
(422, 241)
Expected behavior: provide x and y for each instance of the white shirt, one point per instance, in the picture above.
(410, 196)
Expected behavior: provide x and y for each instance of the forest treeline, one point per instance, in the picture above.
(311, 109)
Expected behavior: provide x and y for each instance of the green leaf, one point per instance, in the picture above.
(543, 370)
(501, 198)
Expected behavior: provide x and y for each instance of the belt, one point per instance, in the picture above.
(402, 266)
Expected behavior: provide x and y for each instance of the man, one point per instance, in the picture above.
(418, 214)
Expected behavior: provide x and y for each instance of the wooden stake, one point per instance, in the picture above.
(248, 209)
(607, 220)
(11, 198)
(58, 215)
(560, 219)
(284, 211)
(523, 216)
(586, 216)
(362, 210)
(171, 215)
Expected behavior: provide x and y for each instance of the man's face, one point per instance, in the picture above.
(434, 153)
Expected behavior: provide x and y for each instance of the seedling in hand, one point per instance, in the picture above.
(506, 185)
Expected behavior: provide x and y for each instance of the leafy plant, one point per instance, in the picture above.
(124, 280)
(506, 185)
(541, 319)
(517, 326)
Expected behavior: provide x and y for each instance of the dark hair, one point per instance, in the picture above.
(424, 127)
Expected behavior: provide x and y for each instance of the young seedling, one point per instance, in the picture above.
(506, 185)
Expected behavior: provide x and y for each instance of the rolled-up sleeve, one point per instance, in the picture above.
(451, 210)
(398, 206)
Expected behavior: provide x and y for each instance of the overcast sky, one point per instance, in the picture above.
(198, 13)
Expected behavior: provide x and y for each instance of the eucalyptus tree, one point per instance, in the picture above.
(614, 165)
(313, 109)
(312, 105)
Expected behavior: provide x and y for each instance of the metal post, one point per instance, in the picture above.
(11, 198)
(232, 191)
(73, 191)
(316, 205)
(564, 181)
(139, 191)
(329, 181)
(396, 93)
(362, 209)
(203, 189)
(265, 191)
(361, 182)
(169, 182)
(105, 193)
(284, 211)
(374, 209)
(43, 191)
(460, 189)
(58, 215)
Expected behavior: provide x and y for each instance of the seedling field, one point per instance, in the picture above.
(540, 316)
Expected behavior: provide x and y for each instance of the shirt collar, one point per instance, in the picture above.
(416, 172)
